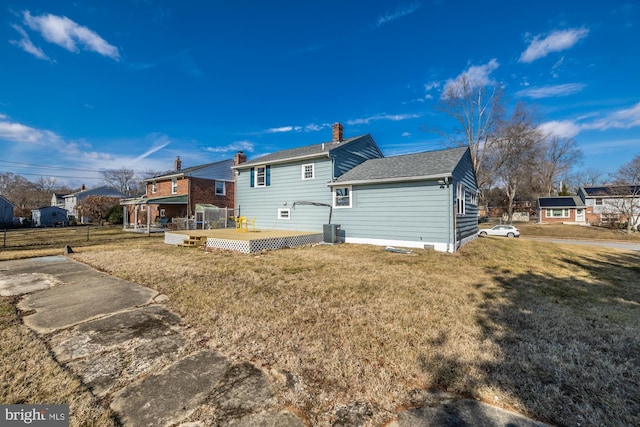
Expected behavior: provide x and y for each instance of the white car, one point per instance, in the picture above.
(500, 230)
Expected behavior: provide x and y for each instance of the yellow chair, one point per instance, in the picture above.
(240, 220)
(250, 222)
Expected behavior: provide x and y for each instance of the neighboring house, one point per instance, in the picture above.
(50, 216)
(6, 212)
(423, 200)
(561, 209)
(72, 200)
(57, 200)
(176, 194)
(611, 204)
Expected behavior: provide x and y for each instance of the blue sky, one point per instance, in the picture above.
(90, 85)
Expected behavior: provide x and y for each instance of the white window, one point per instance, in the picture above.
(261, 176)
(163, 213)
(220, 188)
(308, 171)
(342, 197)
(473, 198)
(557, 213)
(460, 201)
(154, 188)
(174, 186)
(284, 213)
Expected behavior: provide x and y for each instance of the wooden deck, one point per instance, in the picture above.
(245, 242)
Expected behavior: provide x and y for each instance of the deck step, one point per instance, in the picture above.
(193, 242)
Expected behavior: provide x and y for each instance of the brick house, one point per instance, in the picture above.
(561, 210)
(176, 193)
(611, 204)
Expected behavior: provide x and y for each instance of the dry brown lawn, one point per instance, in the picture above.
(29, 374)
(550, 331)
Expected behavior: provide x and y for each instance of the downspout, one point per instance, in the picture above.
(188, 201)
(148, 219)
(452, 208)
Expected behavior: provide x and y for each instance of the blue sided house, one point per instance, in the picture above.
(422, 200)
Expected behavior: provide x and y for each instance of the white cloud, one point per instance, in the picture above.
(311, 127)
(159, 141)
(281, 129)
(562, 128)
(406, 134)
(391, 117)
(68, 34)
(551, 91)
(27, 45)
(431, 85)
(554, 42)
(17, 132)
(400, 12)
(233, 147)
(474, 76)
(622, 119)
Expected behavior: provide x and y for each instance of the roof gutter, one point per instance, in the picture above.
(275, 162)
(390, 180)
(175, 175)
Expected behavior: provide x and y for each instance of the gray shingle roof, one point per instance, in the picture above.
(560, 202)
(612, 191)
(409, 166)
(316, 150)
(185, 171)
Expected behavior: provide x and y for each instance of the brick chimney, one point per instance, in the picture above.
(177, 164)
(240, 157)
(336, 132)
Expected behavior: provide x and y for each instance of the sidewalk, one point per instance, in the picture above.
(129, 348)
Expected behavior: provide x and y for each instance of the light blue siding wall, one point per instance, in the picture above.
(412, 211)
(467, 224)
(351, 155)
(287, 186)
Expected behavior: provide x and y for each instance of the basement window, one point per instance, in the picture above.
(284, 213)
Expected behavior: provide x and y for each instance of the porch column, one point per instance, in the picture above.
(135, 217)
(125, 216)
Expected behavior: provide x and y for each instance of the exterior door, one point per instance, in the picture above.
(579, 215)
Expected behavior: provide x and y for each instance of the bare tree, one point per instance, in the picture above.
(625, 196)
(517, 150)
(477, 109)
(590, 177)
(559, 156)
(96, 207)
(46, 185)
(124, 180)
(21, 192)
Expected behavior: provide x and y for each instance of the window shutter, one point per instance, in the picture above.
(251, 177)
(268, 175)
